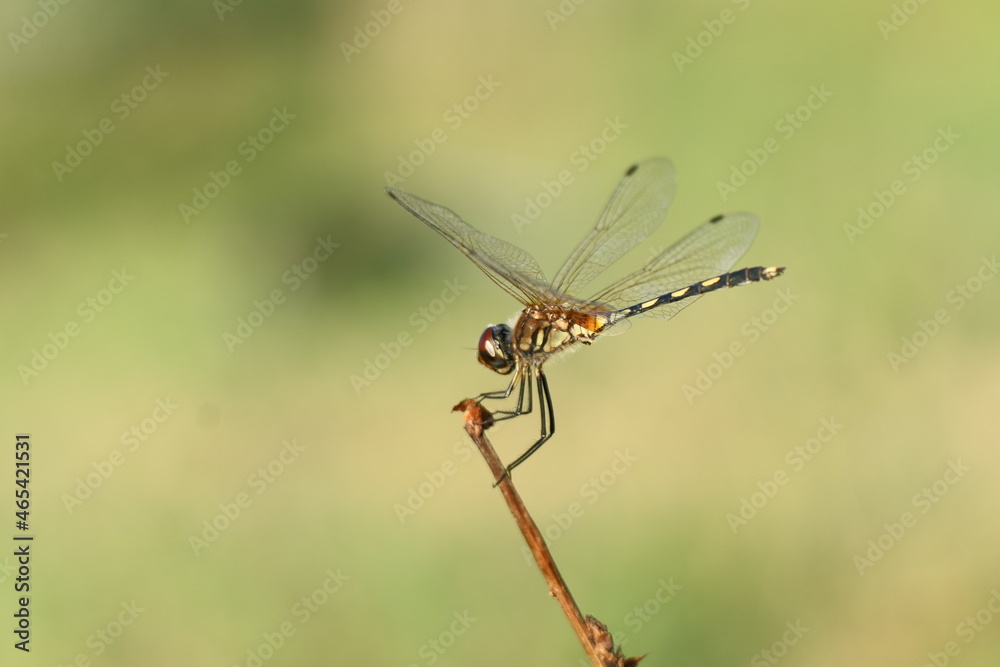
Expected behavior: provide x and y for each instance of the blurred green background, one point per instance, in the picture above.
(211, 154)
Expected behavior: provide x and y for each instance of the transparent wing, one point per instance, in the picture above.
(710, 250)
(507, 265)
(636, 208)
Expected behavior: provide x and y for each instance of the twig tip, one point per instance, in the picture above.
(477, 418)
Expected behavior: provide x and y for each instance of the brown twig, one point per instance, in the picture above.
(593, 634)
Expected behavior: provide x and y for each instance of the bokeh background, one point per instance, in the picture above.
(353, 523)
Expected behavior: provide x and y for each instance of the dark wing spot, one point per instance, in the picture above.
(717, 218)
(631, 170)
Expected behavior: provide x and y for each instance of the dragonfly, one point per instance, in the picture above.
(555, 319)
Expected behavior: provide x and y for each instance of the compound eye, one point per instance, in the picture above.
(492, 353)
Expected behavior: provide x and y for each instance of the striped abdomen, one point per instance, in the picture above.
(732, 279)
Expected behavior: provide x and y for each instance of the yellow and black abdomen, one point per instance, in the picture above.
(732, 279)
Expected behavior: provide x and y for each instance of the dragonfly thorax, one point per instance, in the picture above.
(540, 332)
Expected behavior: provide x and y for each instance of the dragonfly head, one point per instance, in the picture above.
(495, 350)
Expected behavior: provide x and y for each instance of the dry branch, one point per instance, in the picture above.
(593, 635)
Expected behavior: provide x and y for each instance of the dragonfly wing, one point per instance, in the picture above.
(710, 250)
(510, 267)
(636, 208)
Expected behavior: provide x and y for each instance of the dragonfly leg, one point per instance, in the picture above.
(519, 409)
(548, 425)
(521, 379)
(503, 393)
